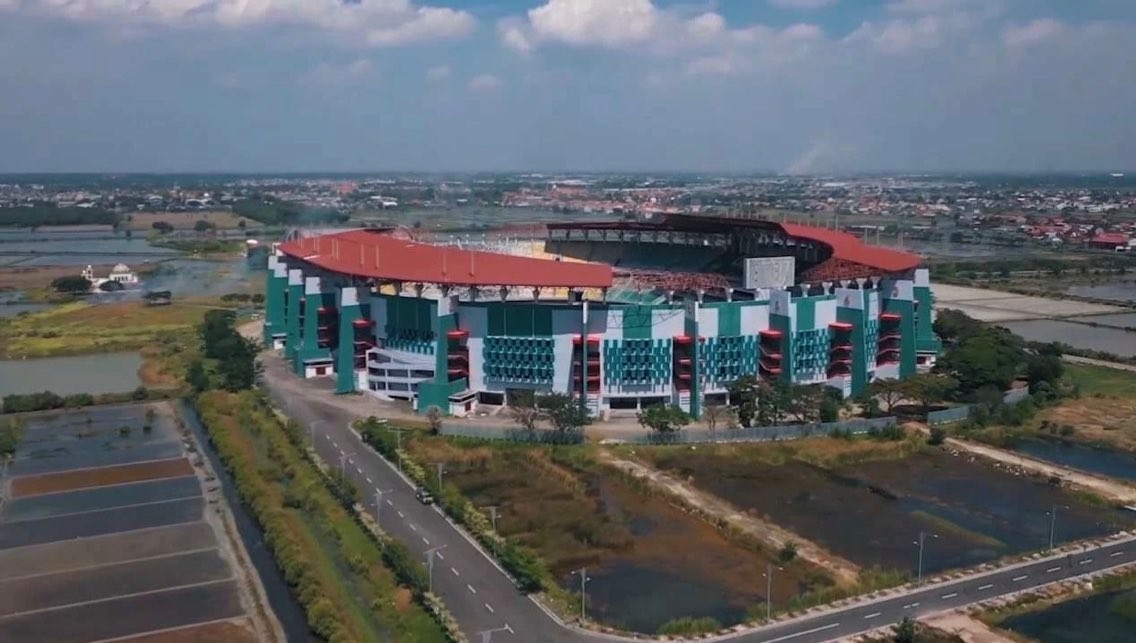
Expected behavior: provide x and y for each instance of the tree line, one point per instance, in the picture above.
(229, 359)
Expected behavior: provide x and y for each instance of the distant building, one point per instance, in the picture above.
(121, 277)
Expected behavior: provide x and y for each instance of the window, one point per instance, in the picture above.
(398, 373)
(398, 386)
(422, 374)
(376, 371)
(378, 386)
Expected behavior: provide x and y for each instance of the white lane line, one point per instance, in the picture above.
(804, 633)
(1115, 554)
(1052, 569)
(951, 595)
(426, 541)
(439, 555)
(1086, 561)
(490, 608)
(389, 502)
(470, 588)
(509, 629)
(369, 481)
(1018, 578)
(910, 605)
(455, 571)
(400, 515)
(334, 444)
(985, 587)
(358, 470)
(412, 527)
(872, 615)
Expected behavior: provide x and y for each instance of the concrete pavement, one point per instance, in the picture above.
(482, 597)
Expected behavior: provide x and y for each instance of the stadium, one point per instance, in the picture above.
(667, 309)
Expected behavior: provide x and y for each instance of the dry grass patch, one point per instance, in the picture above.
(186, 220)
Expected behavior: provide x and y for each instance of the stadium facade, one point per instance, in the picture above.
(617, 314)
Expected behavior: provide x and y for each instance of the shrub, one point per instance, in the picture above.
(938, 436)
(787, 553)
(124, 431)
(140, 393)
(688, 626)
(77, 400)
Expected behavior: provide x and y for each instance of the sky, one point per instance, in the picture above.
(788, 86)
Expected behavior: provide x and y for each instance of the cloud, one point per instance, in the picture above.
(594, 22)
(438, 73)
(513, 36)
(1032, 33)
(484, 83)
(806, 5)
(375, 23)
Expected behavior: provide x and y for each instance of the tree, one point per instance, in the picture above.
(257, 298)
(11, 432)
(242, 224)
(1044, 369)
(938, 436)
(564, 412)
(524, 411)
(196, 377)
(664, 418)
(989, 358)
(743, 397)
(787, 553)
(714, 414)
(434, 418)
(951, 325)
(71, 284)
(888, 392)
(162, 227)
(906, 631)
(803, 402)
(201, 225)
(929, 389)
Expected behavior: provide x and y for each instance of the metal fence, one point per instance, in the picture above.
(512, 434)
(960, 413)
(762, 434)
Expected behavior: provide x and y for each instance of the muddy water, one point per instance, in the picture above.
(1105, 462)
(1109, 340)
(1109, 617)
(873, 513)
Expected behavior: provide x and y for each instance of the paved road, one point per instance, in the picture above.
(482, 597)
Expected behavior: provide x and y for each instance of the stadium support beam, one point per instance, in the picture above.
(349, 313)
(295, 296)
(277, 283)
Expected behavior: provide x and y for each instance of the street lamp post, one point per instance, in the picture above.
(379, 506)
(343, 464)
(1053, 524)
(922, 539)
(398, 446)
(430, 565)
(769, 590)
(493, 516)
(441, 469)
(486, 635)
(583, 574)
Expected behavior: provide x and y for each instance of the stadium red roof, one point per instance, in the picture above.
(849, 248)
(380, 255)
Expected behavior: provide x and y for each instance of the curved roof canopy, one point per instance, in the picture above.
(375, 254)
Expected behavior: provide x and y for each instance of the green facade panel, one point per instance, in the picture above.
(292, 343)
(274, 315)
(637, 322)
(345, 350)
(859, 370)
(522, 360)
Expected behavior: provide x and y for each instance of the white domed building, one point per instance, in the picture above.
(121, 274)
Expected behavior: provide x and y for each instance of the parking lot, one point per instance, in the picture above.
(108, 531)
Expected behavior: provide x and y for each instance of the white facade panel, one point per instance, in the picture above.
(475, 320)
(708, 322)
(668, 323)
(825, 312)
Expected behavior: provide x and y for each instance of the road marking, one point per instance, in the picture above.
(400, 515)
(389, 502)
(334, 444)
(412, 527)
(358, 470)
(439, 555)
(951, 595)
(806, 632)
(490, 608)
(1052, 569)
(988, 586)
(1018, 578)
(369, 481)
(907, 607)
(455, 571)
(1086, 561)
(1115, 554)
(425, 541)
(470, 588)
(509, 629)
(872, 615)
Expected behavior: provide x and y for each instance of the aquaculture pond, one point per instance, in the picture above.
(103, 373)
(873, 512)
(648, 561)
(1108, 617)
(1105, 462)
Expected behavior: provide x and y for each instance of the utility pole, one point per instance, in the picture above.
(922, 539)
(343, 464)
(441, 469)
(493, 516)
(398, 446)
(430, 565)
(769, 591)
(1053, 524)
(583, 573)
(379, 506)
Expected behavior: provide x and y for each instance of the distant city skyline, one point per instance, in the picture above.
(721, 86)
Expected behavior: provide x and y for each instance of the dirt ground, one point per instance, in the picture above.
(1110, 421)
(237, 631)
(185, 220)
(85, 479)
(967, 629)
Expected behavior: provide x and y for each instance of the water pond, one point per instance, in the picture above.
(1109, 340)
(1108, 617)
(105, 373)
(1105, 462)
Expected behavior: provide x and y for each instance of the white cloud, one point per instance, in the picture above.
(900, 36)
(484, 82)
(594, 22)
(327, 74)
(802, 4)
(1032, 33)
(438, 73)
(377, 23)
(514, 37)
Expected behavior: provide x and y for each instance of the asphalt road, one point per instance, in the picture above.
(483, 598)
